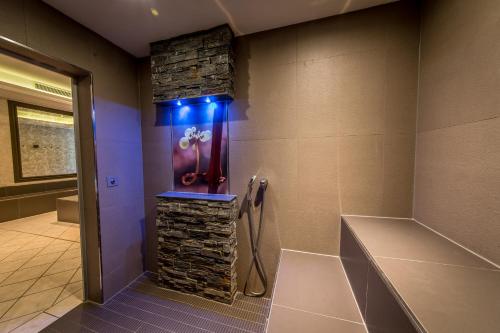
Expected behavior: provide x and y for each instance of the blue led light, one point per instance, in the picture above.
(179, 103)
(207, 100)
(183, 112)
(211, 109)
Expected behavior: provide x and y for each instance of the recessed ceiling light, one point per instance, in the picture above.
(155, 12)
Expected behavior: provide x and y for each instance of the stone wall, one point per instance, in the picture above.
(193, 65)
(197, 245)
(47, 148)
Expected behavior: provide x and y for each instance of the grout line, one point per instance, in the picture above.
(457, 125)
(37, 278)
(123, 289)
(437, 263)
(274, 291)
(254, 304)
(64, 288)
(379, 217)
(354, 297)
(316, 254)
(34, 234)
(460, 245)
(417, 113)
(319, 314)
(27, 314)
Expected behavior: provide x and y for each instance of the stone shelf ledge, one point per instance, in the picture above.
(198, 196)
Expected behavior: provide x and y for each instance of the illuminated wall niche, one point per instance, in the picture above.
(200, 145)
(192, 76)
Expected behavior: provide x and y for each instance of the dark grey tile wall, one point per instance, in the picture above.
(383, 313)
(355, 265)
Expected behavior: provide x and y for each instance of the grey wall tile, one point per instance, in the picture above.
(383, 312)
(355, 265)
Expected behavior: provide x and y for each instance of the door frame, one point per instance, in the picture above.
(86, 160)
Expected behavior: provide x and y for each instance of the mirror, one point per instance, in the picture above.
(43, 142)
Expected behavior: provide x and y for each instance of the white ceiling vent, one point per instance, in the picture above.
(53, 90)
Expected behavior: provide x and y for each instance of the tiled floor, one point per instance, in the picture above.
(144, 307)
(312, 295)
(40, 272)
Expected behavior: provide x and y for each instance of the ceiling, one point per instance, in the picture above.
(131, 25)
(19, 80)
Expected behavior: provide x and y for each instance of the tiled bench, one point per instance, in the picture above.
(407, 278)
(68, 209)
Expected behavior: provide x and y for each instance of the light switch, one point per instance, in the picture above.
(111, 181)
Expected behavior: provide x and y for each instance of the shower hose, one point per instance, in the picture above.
(248, 206)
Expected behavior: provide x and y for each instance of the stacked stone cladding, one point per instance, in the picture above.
(193, 65)
(197, 247)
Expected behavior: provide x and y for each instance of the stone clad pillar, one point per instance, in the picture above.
(197, 244)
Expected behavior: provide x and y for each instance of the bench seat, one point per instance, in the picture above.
(407, 278)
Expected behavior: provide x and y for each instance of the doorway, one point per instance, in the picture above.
(49, 240)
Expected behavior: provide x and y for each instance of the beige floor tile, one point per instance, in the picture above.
(72, 234)
(11, 265)
(55, 247)
(22, 254)
(4, 306)
(74, 289)
(39, 242)
(26, 274)
(9, 325)
(77, 277)
(286, 320)
(32, 303)
(50, 281)
(64, 265)
(9, 249)
(75, 245)
(63, 306)
(42, 259)
(3, 276)
(29, 248)
(17, 242)
(36, 324)
(14, 290)
(71, 253)
(6, 235)
(316, 284)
